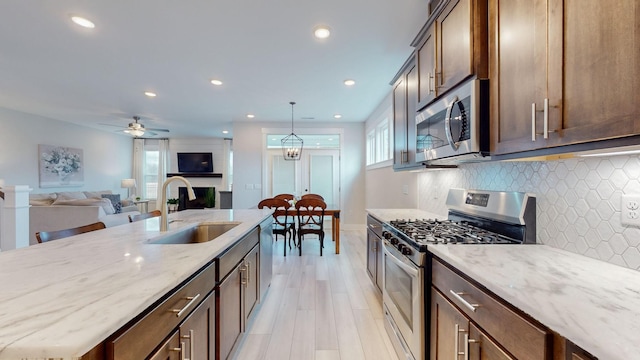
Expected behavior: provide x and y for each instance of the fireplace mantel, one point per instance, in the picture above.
(196, 175)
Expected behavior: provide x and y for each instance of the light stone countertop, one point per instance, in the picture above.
(594, 304)
(61, 298)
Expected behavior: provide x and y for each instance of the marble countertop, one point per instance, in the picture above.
(594, 304)
(61, 298)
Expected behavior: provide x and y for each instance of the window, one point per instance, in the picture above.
(151, 157)
(379, 146)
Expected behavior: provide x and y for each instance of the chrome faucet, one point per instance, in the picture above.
(164, 222)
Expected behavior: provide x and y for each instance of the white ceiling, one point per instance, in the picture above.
(263, 50)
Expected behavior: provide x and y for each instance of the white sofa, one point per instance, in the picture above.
(57, 211)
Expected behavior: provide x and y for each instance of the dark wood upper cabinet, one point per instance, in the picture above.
(562, 73)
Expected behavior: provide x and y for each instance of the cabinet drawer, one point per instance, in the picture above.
(138, 340)
(374, 225)
(520, 336)
(228, 260)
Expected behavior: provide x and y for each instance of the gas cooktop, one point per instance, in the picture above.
(426, 231)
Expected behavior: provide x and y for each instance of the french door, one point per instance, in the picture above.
(317, 172)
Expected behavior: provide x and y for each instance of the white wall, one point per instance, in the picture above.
(248, 167)
(216, 146)
(107, 156)
(385, 189)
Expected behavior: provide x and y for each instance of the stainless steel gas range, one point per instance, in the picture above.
(475, 217)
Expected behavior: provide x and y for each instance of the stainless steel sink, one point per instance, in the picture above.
(201, 233)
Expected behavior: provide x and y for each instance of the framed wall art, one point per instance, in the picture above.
(60, 166)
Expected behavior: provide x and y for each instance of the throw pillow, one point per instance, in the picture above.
(115, 201)
(41, 199)
(96, 194)
(71, 195)
(105, 204)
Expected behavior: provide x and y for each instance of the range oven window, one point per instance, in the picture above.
(399, 286)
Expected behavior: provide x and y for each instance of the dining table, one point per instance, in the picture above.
(331, 210)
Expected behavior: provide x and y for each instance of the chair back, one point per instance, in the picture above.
(286, 197)
(310, 212)
(44, 236)
(143, 216)
(312, 196)
(281, 210)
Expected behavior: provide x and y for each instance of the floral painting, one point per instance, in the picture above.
(60, 166)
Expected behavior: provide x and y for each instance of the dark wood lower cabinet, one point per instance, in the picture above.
(230, 313)
(197, 332)
(481, 346)
(170, 350)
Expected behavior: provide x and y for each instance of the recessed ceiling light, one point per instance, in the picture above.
(250, 116)
(225, 131)
(216, 82)
(337, 116)
(321, 32)
(83, 22)
(150, 94)
(349, 82)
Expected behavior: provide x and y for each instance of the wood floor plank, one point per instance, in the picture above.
(319, 308)
(304, 335)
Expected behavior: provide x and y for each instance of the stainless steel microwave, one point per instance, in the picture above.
(455, 128)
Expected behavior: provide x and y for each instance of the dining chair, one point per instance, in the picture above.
(283, 220)
(44, 236)
(310, 220)
(312, 196)
(287, 197)
(146, 215)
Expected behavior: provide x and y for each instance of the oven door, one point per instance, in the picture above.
(450, 127)
(403, 299)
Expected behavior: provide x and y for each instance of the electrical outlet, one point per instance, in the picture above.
(630, 210)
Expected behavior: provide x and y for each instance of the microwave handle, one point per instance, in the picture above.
(447, 124)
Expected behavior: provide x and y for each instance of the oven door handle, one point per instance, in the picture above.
(408, 268)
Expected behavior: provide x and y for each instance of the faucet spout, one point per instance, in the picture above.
(164, 222)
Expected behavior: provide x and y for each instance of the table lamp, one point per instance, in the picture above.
(128, 184)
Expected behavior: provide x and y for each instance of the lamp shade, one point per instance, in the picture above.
(128, 183)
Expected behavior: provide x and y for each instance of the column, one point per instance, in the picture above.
(14, 232)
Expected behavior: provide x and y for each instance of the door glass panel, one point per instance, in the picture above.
(321, 176)
(398, 285)
(282, 175)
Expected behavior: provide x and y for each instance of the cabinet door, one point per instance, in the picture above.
(251, 283)
(482, 347)
(400, 155)
(456, 44)
(517, 67)
(427, 68)
(372, 245)
(594, 65)
(448, 327)
(197, 332)
(169, 350)
(412, 107)
(229, 313)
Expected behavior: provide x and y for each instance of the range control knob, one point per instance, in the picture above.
(394, 241)
(386, 235)
(400, 247)
(406, 251)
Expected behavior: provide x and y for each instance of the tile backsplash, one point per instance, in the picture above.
(578, 200)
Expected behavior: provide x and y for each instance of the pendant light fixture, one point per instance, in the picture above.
(292, 144)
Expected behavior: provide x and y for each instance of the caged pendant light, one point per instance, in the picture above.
(292, 144)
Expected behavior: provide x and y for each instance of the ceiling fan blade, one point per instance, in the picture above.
(151, 133)
(161, 130)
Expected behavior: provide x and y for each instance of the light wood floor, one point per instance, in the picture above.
(322, 308)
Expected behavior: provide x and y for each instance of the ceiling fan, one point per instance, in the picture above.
(137, 129)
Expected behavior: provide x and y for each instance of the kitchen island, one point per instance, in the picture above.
(62, 298)
(589, 302)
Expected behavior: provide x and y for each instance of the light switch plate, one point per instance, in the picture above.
(630, 210)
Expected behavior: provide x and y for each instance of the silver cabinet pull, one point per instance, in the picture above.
(182, 355)
(458, 296)
(468, 341)
(457, 351)
(191, 299)
(546, 119)
(533, 121)
(248, 267)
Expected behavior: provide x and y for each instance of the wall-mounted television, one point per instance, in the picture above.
(195, 162)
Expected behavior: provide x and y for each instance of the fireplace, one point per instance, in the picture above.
(205, 198)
